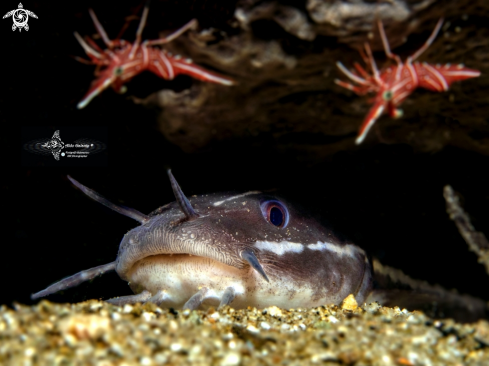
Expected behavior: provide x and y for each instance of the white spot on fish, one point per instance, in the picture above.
(218, 203)
(280, 248)
(341, 250)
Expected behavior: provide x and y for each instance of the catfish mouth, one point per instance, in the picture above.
(136, 255)
(137, 248)
(181, 257)
(181, 267)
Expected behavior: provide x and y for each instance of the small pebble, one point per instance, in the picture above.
(332, 319)
(252, 329)
(231, 359)
(349, 303)
(273, 311)
(127, 309)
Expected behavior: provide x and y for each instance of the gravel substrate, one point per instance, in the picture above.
(97, 333)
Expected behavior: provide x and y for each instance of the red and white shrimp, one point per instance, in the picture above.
(122, 60)
(394, 84)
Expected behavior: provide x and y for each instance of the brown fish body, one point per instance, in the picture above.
(248, 249)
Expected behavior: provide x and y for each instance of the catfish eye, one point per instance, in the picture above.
(275, 213)
(118, 71)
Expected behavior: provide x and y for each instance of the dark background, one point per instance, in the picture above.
(386, 198)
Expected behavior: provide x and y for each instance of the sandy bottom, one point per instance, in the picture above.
(98, 333)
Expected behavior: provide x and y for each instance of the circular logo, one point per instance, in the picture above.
(20, 17)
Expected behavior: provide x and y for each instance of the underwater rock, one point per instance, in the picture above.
(283, 59)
